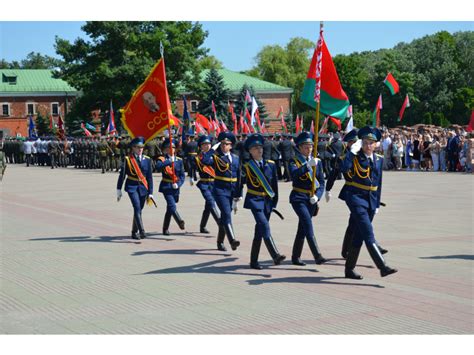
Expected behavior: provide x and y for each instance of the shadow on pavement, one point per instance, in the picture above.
(332, 263)
(182, 252)
(210, 267)
(311, 280)
(459, 256)
(101, 239)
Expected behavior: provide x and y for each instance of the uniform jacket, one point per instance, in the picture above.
(227, 173)
(365, 187)
(256, 197)
(132, 183)
(301, 175)
(166, 184)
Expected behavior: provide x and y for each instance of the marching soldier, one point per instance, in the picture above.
(110, 155)
(116, 150)
(206, 185)
(260, 176)
(190, 152)
(287, 153)
(3, 160)
(53, 151)
(170, 183)
(350, 138)
(136, 168)
(362, 196)
(102, 148)
(226, 190)
(303, 202)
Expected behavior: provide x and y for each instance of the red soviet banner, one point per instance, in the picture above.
(149, 110)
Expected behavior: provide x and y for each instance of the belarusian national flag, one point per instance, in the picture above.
(406, 103)
(376, 113)
(391, 84)
(470, 126)
(334, 101)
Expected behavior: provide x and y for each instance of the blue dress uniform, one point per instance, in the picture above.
(226, 186)
(206, 186)
(136, 189)
(261, 179)
(301, 175)
(170, 194)
(362, 196)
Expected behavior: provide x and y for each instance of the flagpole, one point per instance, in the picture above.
(169, 125)
(316, 120)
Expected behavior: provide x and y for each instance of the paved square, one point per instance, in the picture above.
(69, 267)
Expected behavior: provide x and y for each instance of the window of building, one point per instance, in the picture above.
(194, 105)
(5, 109)
(30, 108)
(54, 108)
(9, 78)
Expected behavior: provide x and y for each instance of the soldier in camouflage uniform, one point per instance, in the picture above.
(53, 152)
(110, 155)
(103, 148)
(116, 148)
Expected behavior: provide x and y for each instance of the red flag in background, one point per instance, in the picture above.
(406, 103)
(312, 127)
(86, 131)
(324, 127)
(470, 126)
(149, 110)
(336, 122)
(391, 84)
(204, 122)
(297, 124)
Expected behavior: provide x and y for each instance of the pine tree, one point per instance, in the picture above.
(216, 91)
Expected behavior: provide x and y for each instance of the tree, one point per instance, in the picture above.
(119, 56)
(38, 61)
(286, 66)
(210, 62)
(240, 103)
(42, 125)
(216, 91)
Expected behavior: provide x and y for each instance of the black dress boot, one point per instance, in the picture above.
(382, 250)
(166, 223)
(351, 261)
(347, 242)
(134, 230)
(296, 254)
(276, 256)
(178, 220)
(229, 231)
(220, 239)
(141, 229)
(313, 246)
(205, 217)
(256, 243)
(379, 261)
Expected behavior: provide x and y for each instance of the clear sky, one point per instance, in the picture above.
(237, 43)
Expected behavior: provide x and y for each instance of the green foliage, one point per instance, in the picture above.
(216, 91)
(119, 56)
(42, 125)
(209, 62)
(240, 102)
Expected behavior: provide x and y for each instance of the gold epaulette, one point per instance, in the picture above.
(270, 161)
(146, 156)
(178, 158)
(379, 155)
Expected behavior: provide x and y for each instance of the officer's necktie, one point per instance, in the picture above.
(261, 165)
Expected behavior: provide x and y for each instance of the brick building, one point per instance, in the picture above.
(273, 96)
(25, 92)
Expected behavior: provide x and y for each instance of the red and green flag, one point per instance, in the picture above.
(391, 84)
(322, 83)
(406, 103)
(376, 113)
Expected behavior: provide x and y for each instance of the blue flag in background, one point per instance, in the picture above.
(31, 128)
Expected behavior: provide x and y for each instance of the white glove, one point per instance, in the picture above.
(328, 196)
(172, 158)
(119, 194)
(215, 146)
(279, 157)
(175, 186)
(376, 210)
(234, 206)
(312, 162)
(191, 181)
(356, 146)
(313, 200)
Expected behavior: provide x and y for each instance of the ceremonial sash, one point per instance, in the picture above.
(261, 177)
(131, 160)
(169, 171)
(300, 163)
(207, 169)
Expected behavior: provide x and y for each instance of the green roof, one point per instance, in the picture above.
(31, 81)
(234, 82)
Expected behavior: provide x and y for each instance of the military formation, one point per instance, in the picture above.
(222, 167)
